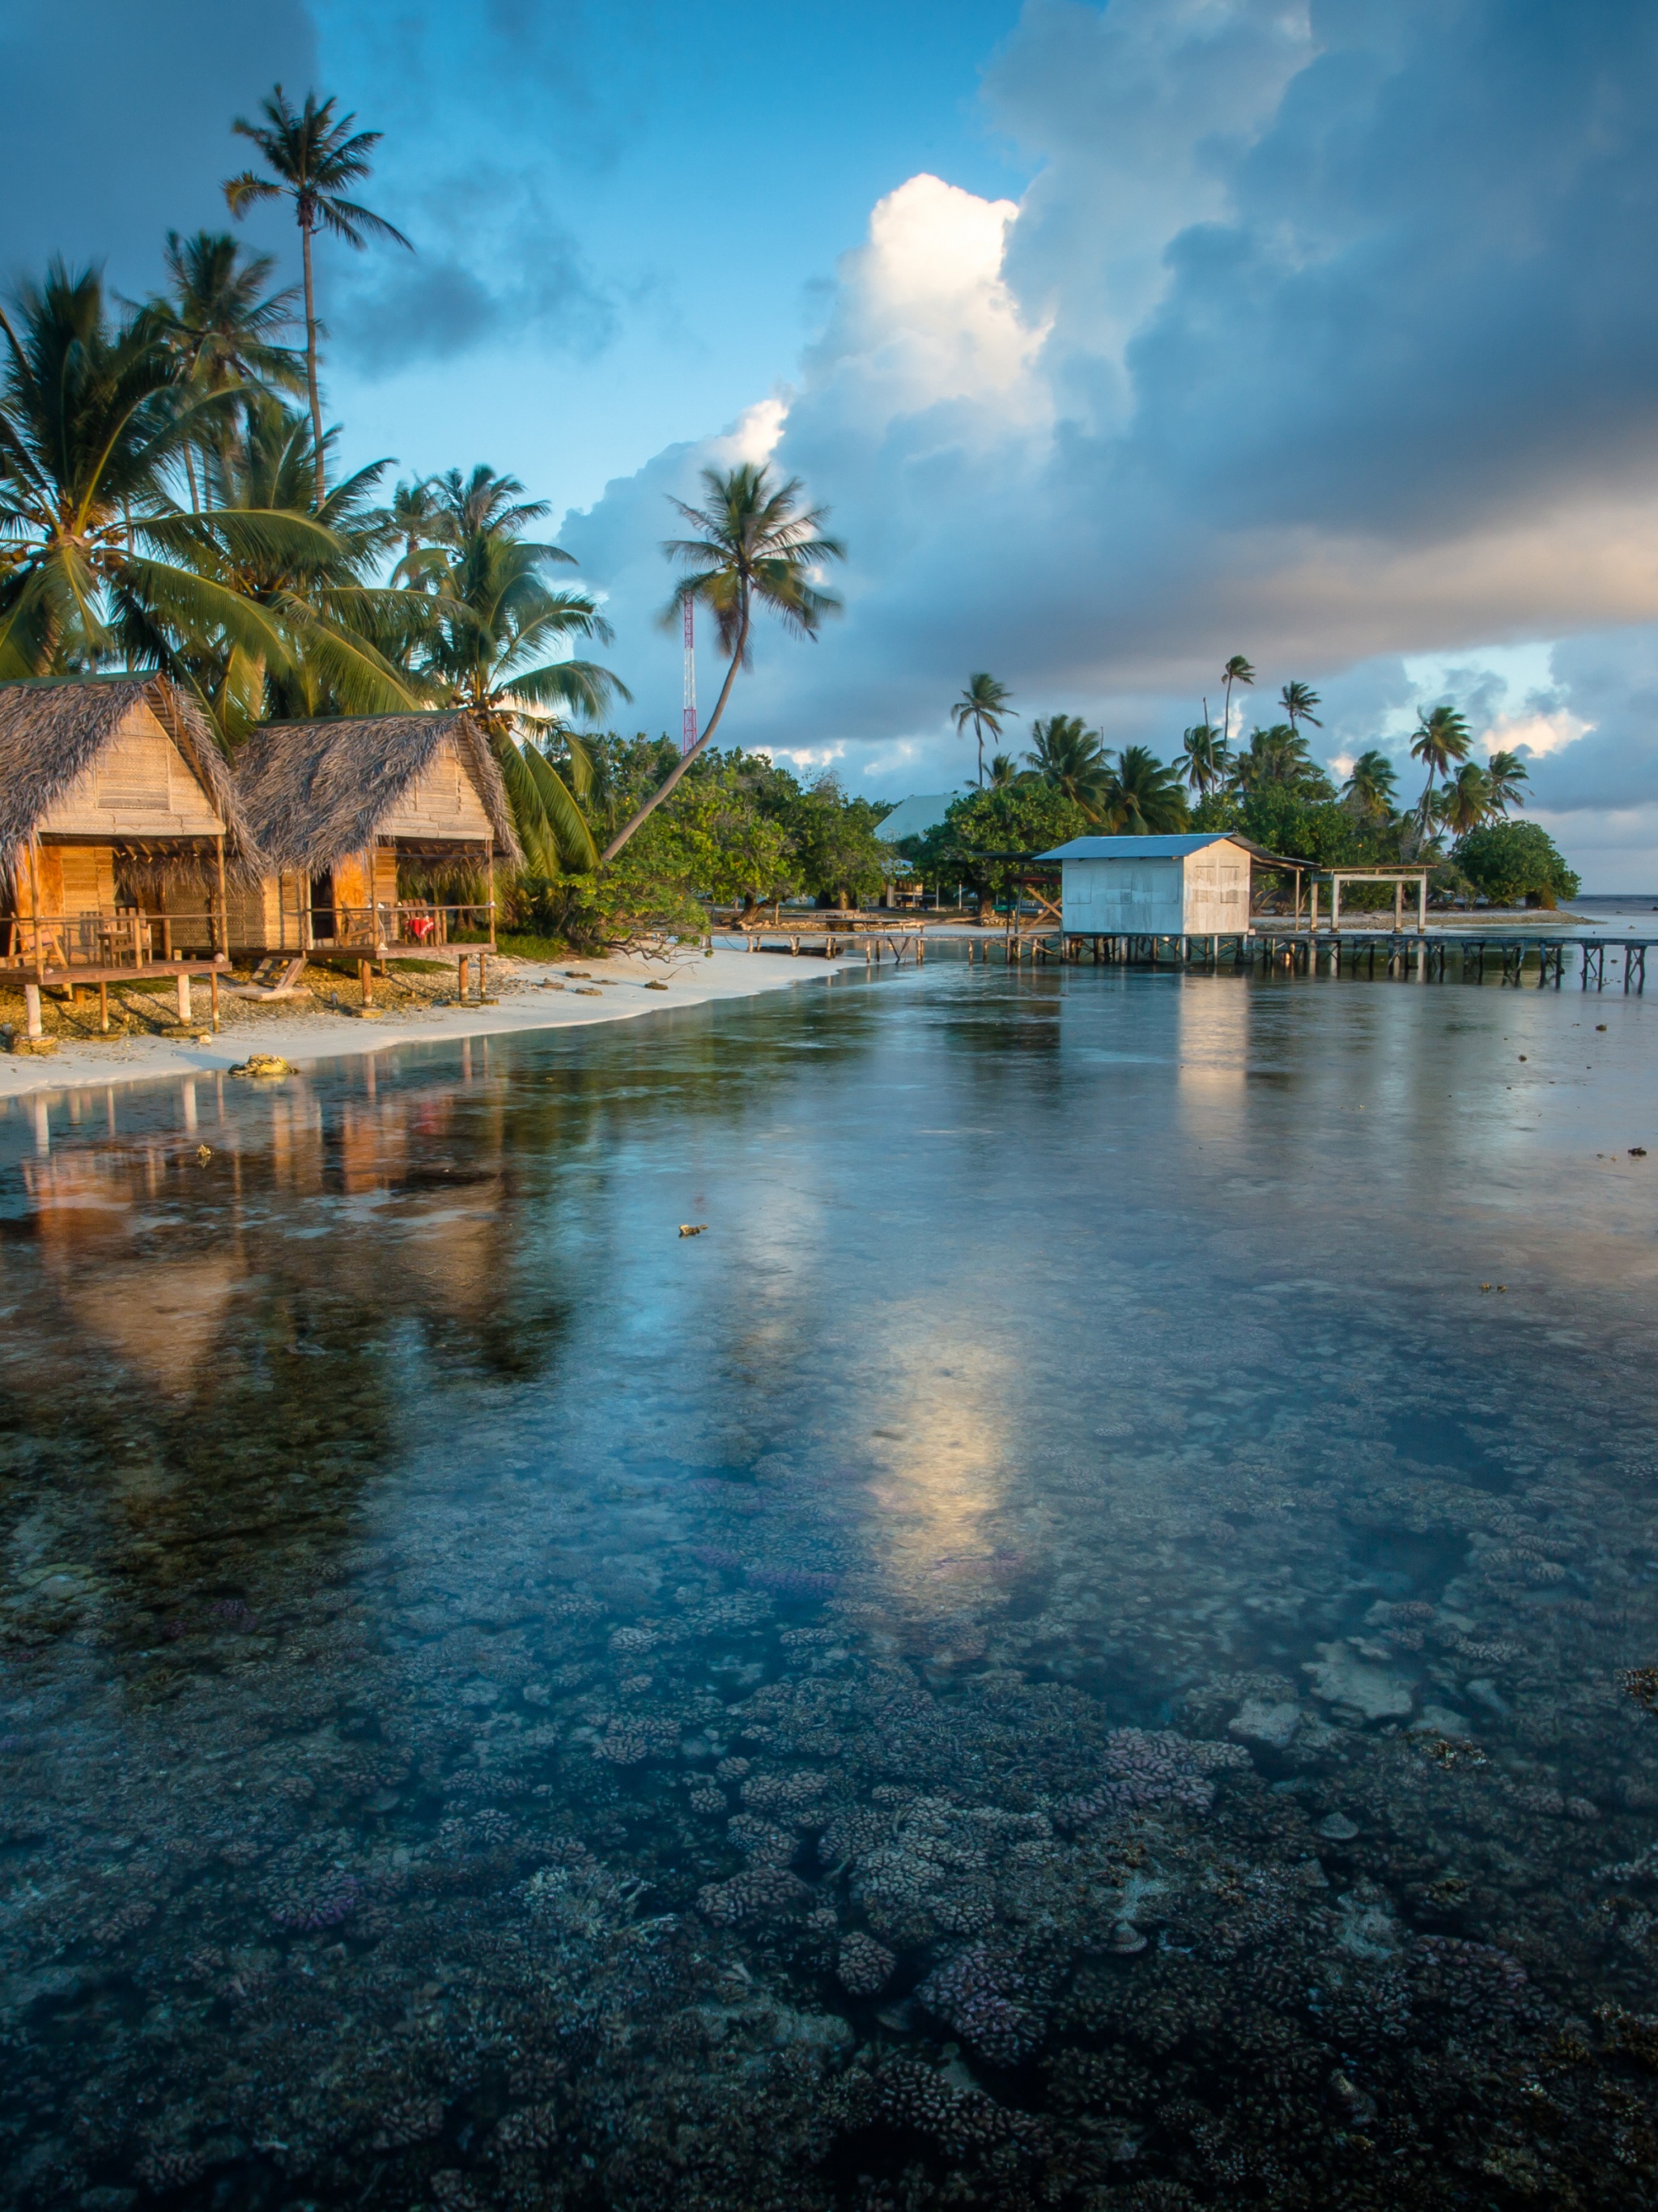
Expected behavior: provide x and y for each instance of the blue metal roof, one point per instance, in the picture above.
(1137, 849)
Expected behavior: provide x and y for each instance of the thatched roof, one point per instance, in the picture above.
(53, 730)
(315, 792)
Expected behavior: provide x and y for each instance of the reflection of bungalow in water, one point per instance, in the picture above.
(116, 810)
(374, 829)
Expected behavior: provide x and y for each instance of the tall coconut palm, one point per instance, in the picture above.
(1237, 670)
(1004, 772)
(415, 517)
(311, 156)
(493, 623)
(1142, 796)
(222, 322)
(985, 704)
(1370, 789)
(96, 563)
(1440, 739)
(1298, 701)
(1069, 756)
(1466, 800)
(1203, 757)
(755, 546)
(1505, 772)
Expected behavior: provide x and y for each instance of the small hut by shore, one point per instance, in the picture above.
(372, 827)
(116, 809)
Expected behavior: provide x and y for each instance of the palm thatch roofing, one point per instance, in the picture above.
(316, 792)
(52, 729)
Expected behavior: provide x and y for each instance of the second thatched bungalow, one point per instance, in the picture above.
(379, 832)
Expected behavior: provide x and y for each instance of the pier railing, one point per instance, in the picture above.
(1431, 957)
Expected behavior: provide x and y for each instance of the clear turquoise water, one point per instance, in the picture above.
(1065, 1651)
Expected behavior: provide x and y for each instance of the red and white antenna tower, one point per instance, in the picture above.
(687, 731)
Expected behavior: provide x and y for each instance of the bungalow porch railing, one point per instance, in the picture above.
(107, 937)
(415, 924)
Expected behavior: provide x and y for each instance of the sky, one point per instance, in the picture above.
(1115, 339)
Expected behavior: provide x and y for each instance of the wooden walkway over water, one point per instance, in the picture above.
(1435, 956)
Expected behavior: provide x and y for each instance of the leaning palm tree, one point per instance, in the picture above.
(415, 518)
(1298, 701)
(1004, 772)
(985, 704)
(1203, 758)
(96, 563)
(222, 322)
(1505, 772)
(494, 622)
(755, 546)
(1440, 739)
(1371, 789)
(1142, 796)
(1069, 757)
(1466, 800)
(312, 157)
(1237, 670)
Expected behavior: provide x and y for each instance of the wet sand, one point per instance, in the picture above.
(312, 1031)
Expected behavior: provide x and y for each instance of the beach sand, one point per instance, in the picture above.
(308, 1030)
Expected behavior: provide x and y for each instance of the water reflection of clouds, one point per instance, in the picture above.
(939, 1455)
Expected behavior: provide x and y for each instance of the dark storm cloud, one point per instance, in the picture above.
(118, 122)
(492, 266)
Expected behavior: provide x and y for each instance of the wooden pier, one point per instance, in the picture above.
(833, 932)
(1433, 957)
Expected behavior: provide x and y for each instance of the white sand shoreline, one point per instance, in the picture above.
(693, 980)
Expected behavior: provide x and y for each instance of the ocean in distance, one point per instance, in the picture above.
(1080, 1646)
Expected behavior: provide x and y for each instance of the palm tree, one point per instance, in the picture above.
(1004, 772)
(96, 564)
(1505, 772)
(1276, 755)
(1369, 790)
(984, 703)
(755, 546)
(1440, 737)
(464, 507)
(1466, 801)
(1203, 757)
(493, 623)
(415, 516)
(345, 637)
(221, 321)
(1143, 797)
(1237, 670)
(312, 157)
(1298, 701)
(1071, 758)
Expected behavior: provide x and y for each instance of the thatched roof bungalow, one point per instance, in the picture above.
(337, 806)
(118, 811)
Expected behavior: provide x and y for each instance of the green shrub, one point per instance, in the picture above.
(1515, 864)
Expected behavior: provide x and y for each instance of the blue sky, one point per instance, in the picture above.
(1117, 338)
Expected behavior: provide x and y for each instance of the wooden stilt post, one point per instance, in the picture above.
(465, 964)
(222, 943)
(32, 1009)
(213, 992)
(184, 997)
(365, 977)
(103, 1007)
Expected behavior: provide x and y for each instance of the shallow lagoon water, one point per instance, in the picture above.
(1067, 1651)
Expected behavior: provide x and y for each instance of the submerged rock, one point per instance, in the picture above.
(1340, 1678)
(1263, 1721)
